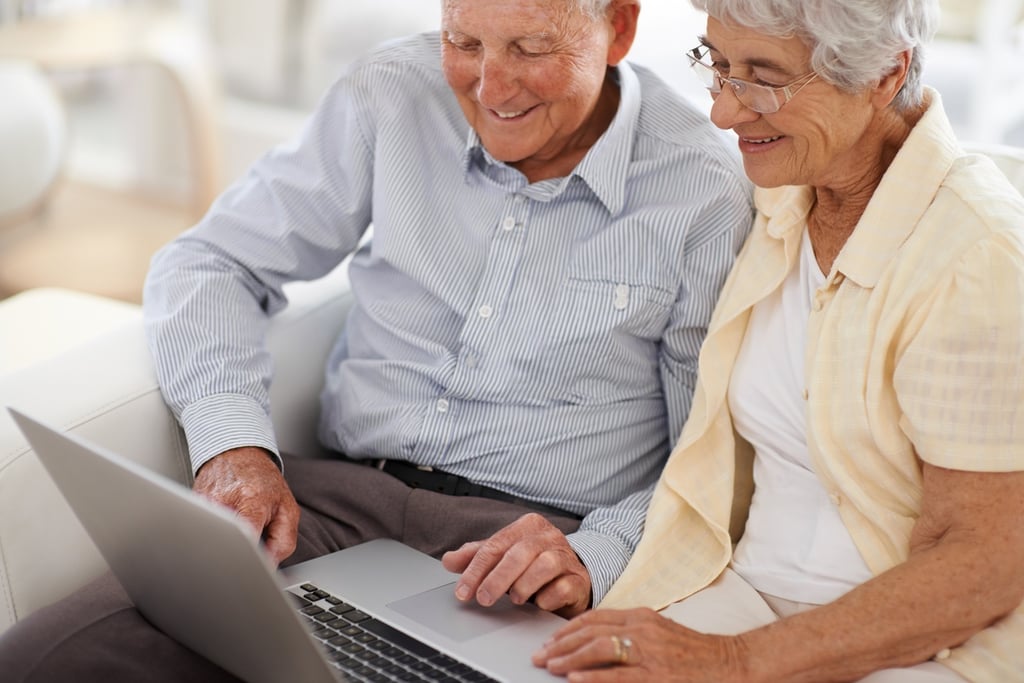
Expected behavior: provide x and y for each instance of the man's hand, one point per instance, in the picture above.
(249, 482)
(528, 559)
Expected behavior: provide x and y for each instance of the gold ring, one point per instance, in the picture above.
(622, 646)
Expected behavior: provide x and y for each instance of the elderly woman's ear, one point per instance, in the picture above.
(891, 84)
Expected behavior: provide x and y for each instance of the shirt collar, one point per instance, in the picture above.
(902, 197)
(606, 165)
(895, 207)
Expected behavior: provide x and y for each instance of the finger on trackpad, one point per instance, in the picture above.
(440, 610)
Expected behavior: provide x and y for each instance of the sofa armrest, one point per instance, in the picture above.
(106, 391)
(300, 338)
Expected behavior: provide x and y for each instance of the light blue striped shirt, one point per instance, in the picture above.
(540, 339)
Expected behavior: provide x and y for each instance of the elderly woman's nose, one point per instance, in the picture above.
(727, 110)
(497, 81)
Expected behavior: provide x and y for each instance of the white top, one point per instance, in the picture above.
(795, 545)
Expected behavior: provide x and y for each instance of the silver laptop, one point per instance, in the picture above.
(376, 611)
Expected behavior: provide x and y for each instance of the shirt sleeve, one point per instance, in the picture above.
(717, 238)
(295, 215)
(960, 379)
(608, 536)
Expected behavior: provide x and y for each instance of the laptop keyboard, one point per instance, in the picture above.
(366, 649)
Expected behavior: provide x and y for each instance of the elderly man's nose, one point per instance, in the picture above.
(497, 81)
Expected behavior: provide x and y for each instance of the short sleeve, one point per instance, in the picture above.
(960, 377)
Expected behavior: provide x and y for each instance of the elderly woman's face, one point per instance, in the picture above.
(812, 138)
(527, 73)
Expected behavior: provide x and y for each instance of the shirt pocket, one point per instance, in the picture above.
(606, 333)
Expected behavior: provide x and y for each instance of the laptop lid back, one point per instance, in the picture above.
(191, 568)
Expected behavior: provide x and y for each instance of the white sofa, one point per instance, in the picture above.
(105, 390)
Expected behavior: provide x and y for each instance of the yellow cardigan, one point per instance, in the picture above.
(915, 349)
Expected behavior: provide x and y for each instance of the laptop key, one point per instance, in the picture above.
(297, 600)
(370, 650)
(400, 639)
(355, 616)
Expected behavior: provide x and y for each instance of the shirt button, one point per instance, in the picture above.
(944, 653)
(621, 300)
(509, 223)
(485, 311)
(834, 497)
(471, 361)
(805, 394)
(442, 405)
(817, 306)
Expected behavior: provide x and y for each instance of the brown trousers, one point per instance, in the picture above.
(97, 635)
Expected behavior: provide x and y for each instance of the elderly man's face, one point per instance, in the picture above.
(530, 77)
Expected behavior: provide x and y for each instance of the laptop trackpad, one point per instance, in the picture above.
(440, 610)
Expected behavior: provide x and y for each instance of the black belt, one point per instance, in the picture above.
(430, 479)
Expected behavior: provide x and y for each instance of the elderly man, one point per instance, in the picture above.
(550, 231)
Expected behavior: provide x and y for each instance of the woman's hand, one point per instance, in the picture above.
(640, 645)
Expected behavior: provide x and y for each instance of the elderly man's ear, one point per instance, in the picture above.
(623, 15)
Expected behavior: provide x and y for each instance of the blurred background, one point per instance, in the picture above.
(120, 120)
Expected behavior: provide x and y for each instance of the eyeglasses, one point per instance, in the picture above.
(763, 99)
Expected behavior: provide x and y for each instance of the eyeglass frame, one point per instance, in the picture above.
(739, 86)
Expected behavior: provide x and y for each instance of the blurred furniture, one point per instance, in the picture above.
(96, 237)
(90, 238)
(42, 323)
(33, 137)
(105, 390)
(163, 40)
(977, 62)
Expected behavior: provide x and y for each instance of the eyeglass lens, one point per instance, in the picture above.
(761, 98)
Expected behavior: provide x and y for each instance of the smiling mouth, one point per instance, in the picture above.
(509, 115)
(762, 141)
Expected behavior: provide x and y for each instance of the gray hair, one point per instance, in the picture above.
(593, 8)
(854, 43)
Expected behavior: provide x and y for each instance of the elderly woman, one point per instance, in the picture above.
(867, 350)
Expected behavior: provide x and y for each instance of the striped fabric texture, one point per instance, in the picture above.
(540, 339)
